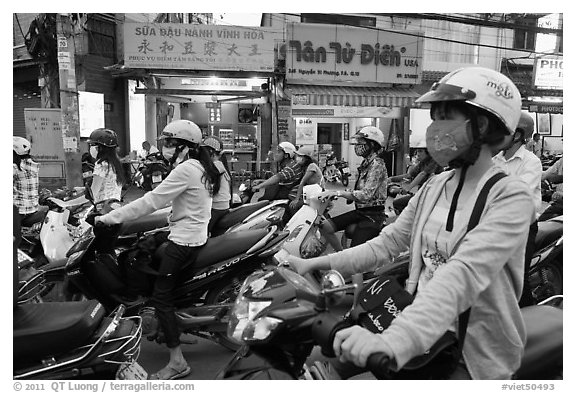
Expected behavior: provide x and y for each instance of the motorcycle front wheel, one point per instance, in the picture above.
(345, 181)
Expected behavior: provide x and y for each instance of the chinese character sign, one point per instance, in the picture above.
(199, 47)
(330, 53)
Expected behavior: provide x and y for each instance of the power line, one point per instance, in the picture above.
(443, 39)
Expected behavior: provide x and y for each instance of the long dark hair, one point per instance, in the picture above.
(307, 161)
(211, 176)
(109, 155)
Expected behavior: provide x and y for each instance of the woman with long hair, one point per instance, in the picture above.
(221, 200)
(189, 187)
(108, 174)
(312, 175)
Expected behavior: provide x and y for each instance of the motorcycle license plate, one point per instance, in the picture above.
(132, 371)
(346, 169)
(156, 178)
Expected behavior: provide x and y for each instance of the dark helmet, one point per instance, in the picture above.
(104, 137)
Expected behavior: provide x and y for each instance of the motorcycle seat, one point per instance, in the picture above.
(236, 215)
(543, 350)
(53, 328)
(548, 232)
(157, 219)
(220, 248)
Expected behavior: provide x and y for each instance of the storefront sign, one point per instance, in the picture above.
(335, 54)
(549, 72)
(305, 131)
(546, 108)
(313, 112)
(199, 47)
(346, 111)
(43, 128)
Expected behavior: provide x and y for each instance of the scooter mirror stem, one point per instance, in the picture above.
(357, 281)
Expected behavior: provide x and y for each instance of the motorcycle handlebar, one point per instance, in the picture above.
(378, 364)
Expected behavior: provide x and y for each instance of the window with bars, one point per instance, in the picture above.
(525, 38)
(101, 38)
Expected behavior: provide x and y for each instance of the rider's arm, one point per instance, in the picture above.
(304, 182)
(267, 183)
(554, 173)
(174, 184)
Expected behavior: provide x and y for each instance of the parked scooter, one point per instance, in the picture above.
(75, 340)
(280, 316)
(151, 171)
(69, 340)
(251, 215)
(335, 170)
(205, 289)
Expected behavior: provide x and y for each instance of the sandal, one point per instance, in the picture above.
(172, 373)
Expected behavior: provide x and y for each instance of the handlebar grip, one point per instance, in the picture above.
(378, 364)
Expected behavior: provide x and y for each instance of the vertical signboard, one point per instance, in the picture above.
(44, 132)
(91, 109)
(283, 119)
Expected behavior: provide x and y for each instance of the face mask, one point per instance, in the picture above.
(447, 140)
(94, 152)
(168, 152)
(361, 150)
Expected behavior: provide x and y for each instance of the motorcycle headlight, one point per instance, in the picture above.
(242, 314)
(260, 329)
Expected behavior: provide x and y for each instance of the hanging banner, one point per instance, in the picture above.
(335, 54)
(199, 47)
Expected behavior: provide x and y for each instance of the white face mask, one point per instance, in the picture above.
(168, 152)
(94, 151)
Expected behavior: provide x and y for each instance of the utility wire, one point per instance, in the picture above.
(443, 39)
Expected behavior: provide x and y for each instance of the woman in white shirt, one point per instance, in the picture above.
(220, 201)
(189, 187)
(108, 174)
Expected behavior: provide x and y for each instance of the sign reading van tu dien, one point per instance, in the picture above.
(199, 47)
(334, 54)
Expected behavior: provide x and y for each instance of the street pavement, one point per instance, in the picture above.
(205, 357)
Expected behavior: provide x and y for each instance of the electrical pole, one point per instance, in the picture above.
(70, 114)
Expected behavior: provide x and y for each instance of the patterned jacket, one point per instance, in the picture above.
(25, 186)
(370, 188)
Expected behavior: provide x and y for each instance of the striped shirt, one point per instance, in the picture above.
(25, 186)
(290, 177)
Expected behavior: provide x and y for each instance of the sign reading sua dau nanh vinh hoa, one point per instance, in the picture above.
(199, 47)
(333, 54)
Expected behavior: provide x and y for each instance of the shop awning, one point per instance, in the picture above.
(352, 96)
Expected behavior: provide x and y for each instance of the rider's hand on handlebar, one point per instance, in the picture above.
(355, 344)
(301, 266)
(324, 195)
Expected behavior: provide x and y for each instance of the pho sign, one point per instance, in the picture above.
(549, 72)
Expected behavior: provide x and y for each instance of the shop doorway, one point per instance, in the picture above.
(331, 133)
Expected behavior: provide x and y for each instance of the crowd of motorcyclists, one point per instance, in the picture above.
(477, 131)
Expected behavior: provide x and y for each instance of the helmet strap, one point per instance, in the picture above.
(176, 155)
(454, 204)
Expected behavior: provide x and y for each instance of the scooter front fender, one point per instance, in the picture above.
(55, 238)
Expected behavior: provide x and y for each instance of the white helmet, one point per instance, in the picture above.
(21, 146)
(287, 148)
(481, 87)
(182, 129)
(306, 150)
(372, 133)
